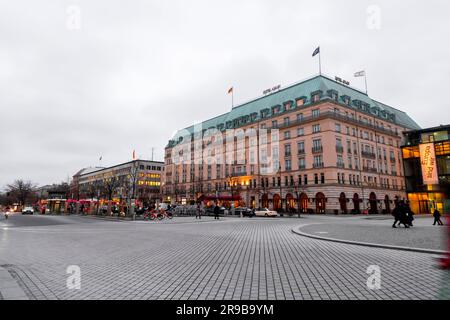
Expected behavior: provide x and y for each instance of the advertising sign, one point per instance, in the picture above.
(428, 163)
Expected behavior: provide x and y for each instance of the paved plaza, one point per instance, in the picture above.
(233, 258)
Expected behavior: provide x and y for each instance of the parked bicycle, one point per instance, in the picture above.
(157, 214)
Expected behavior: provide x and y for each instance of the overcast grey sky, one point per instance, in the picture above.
(125, 75)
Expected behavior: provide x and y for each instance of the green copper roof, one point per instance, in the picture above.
(304, 90)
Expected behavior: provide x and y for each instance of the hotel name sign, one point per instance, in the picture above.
(428, 163)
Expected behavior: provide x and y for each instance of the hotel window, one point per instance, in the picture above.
(300, 132)
(286, 121)
(287, 150)
(316, 128)
(300, 102)
(318, 163)
(263, 126)
(301, 164)
(305, 179)
(347, 130)
(350, 165)
(317, 143)
(316, 178)
(273, 181)
(340, 161)
(322, 178)
(299, 117)
(274, 124)
(301, 147)
(287, 135)
(315, 113)
(339, 177)
(337, 127)
(288, 165)
(343, 178)
(353, 132)
(316, 97)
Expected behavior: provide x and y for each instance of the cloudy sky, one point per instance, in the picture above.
(84, 79)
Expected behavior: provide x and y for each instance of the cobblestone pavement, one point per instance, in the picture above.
(379, 230)
(227, 259)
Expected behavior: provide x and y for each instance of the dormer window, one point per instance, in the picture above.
(333, 94)
(301, 101)
(357, 103)
(275, 109)
(316, 95)
(288, 105)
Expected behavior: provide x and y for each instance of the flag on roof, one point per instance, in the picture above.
(360, 73)
(230, 90)
(317, 51)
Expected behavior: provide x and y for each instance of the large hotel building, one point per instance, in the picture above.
(333, 148)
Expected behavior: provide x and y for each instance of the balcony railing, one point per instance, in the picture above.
(287, 154)
(372, 170)
(336, 116)
(340, 165)
(301, 151)
(339, 149)
(369, 155)
(317, 149)
(318, 165)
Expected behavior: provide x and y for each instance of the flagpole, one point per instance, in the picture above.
(232, 99)
(320, 63)
(365, 80)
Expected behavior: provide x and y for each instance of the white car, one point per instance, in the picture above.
(28, 210)
(266, 213)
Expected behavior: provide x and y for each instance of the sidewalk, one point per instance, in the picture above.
(9, 289)
(378, 230)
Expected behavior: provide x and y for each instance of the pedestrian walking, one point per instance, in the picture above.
(216, 212)
(400, 215)
(437, 218)
(410, 214)
(199, 212)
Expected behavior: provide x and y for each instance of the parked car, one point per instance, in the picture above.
(28, 210)
(246, 212)
(265, 213)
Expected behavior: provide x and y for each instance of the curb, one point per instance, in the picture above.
(367, 244)
(9, 289)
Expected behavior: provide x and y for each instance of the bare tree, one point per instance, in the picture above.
(21, 191)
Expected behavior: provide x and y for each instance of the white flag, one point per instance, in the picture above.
(360, 74)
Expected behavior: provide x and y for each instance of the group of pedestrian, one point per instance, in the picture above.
(403, 215)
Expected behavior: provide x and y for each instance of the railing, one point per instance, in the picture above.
(339, 149)
(336, 116)
(369, 155)
(318, 165)
(373, 170)
(317, 149)
(340, 165)
(301, 151)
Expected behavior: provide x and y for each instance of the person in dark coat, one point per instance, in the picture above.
(199, 212)
(437, 218)
(396, 214)
(216, 212)
(410, 213)
(400, 215)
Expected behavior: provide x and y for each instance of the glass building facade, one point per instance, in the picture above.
(426, 159)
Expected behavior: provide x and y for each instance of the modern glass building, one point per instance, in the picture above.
(426, 159)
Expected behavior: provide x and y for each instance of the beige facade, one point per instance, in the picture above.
(333, 152)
